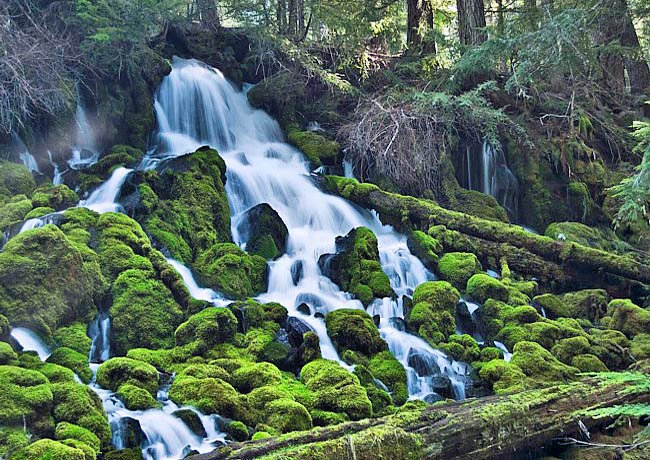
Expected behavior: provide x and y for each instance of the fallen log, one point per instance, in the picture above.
(494, 427)
(402, 211)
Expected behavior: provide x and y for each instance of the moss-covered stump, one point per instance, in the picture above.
(264, 231)
(524, 251)
(43, 283)
(354, 330)
(317, 148)
(355, 267)
(497, 427)
(434, 307)
(228, 269)
(184, 206)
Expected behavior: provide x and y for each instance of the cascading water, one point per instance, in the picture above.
(84, 151)
(195, 290)
(30, 341)
(57, 175)
(103, 198)
(23, 153)
(195, 106)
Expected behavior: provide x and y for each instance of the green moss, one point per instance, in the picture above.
(461, 348)
(604, 239)
(237, 430)
(12, 440)
(42, 281)
(79, 404)
(73, 360)
(458, 268)
(65, 430)
(356, 267)
(47, 449)
(118, 371)
(125, 454)
(504, 377)
(566, 349)
(588, 363)
(623, 315)
(25, 398)
(74, 337)
(207, 328)
(266, 232)
(386, 368)
(425, 248)
(482, 287)
(38, 212)
(15, 179)
(228, 269)
(318, 149)
(55, 373)
(58, 197)
(136, 398)
(89, 452)
(325, 418)
(139, 298)
(118, 155)
(354, 330)
(335, 389)
(7, 354)
(540, 365)
(286, 415)
(255, 375)
(432, 315)
(260, 435)
(640, 346)
(14, 211)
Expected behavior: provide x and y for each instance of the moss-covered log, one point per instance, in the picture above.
(562, 258)
(487, 428)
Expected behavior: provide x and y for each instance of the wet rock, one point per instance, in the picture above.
(265, 231)
(304, 309)
(296, 328)
(424, 364)
(376, 319)
(441, 384)
(192, 420)
(297, 272)
(464, 319)
(433, 398)
(397, 323)
(131, 432)
(319, 315)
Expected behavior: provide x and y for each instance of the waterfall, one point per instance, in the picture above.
(507, 356)
(195, 290)
(103, 198)
(30, 341)
(195, 106)
(84, 151)
(100, 333)
(57, 175)
(23, 153)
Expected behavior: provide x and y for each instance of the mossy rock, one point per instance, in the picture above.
(124, 454)
(26, 398)
(144, 312)
(12, 440)
(590, 304)
(325, 418)
(7, 354)
(73, 360)
(336, 389)
(136, 398)
(207, 328)
(74, 337)
(504, 377)
(15, 211)
(390, 372)
(118, 371)
(424, 247)
(118, 155)
(603, 239)
(38, 212)
(255, 375)
(228, 269)
(434, 307)
(461, 348)
(237, 430)
(588, 363)
(482, 287)
(567, 349)
(623, 315)
(15, 179)
(43, 283)
(458, 268)
(540, 365)
(354, 330)
(317, 148)
(286, 415)
(65, 430)
(265, 232)
(356, 268)
(640, 346)
(58, 197)
(48, 449)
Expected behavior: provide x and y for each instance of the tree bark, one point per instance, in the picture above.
(635, 63)
(494, 427)
(419, 22)
(572, 259)
(281, 14)
(471, 22)
(209, 13)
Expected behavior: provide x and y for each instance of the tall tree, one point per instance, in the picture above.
(419, 22)
(471, 22)
(281, 14)
(635, 63)
(208, 12)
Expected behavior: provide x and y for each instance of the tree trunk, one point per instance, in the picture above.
(635, 63)
(565, 261)
(532, 13)
(471, 22)
(419, 22)
(494, 427)
(209, 13)
(281, 14)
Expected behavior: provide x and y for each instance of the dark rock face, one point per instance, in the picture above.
(296, 328)
(131, 432)
(423, 364)
(265, 232)
(192, 420)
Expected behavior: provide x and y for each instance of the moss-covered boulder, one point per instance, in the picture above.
(424, 247)
(14, 211)
(590, 304)
(135, 397)
(65, 430)
(207, 328)
(48, 449)
(15, 179)
(458, 268)
(384, 367)
(58, 197)
(432, 315)
(237, 430)
(144, 312)
(228, 269)
(540, 365)
(256, 375)
(118, 371)
(623, 315)
(43, 283)
(74, 337)
(461, 348)
(336, 389)
(73, 360)
(286, 415)
(264, 231)
(26, 398)
(355, 267)
(482, 287)
(7, 354)
(184, 206)
(354, 330)
(317, 148)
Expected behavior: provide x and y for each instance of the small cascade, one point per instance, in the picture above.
(348, 170)
(195, 290)
(507, 356)
(23, 153)
(103, 198)
(84, 151)
(100, 333)
(30, 341)
(38, 222)
(57, 175)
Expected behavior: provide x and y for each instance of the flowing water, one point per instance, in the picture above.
(57, 174)
(30, 341)
(25, 156)
(104, 198)
(507, 356)
(196, 106)
(195, 290)
(84, 151)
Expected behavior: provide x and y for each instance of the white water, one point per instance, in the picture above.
(507, 356)
(196, 106)
(30, 341)
(57, 175)
(84, 151)
(197, 291)
(23, 152)
(103, 198)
